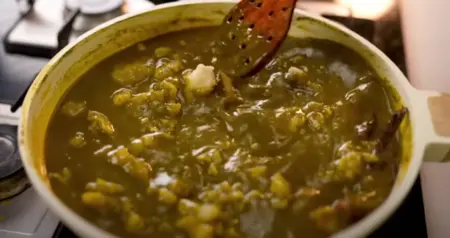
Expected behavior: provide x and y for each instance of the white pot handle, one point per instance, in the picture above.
(436, 126)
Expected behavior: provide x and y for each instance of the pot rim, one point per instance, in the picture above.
(84, 228)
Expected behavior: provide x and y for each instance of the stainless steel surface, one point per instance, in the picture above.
(25, 215)
(9, 159)
(9, 155)
(13, 179)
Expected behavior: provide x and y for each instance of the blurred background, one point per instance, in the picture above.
(410, 32)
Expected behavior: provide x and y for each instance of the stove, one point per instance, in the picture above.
(39, 28)
(22, 213)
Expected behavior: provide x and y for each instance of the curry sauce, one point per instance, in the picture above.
(156, 142)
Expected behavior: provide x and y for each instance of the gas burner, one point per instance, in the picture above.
(9, 158)
(22, 213)
(13, 185)
(13, 179)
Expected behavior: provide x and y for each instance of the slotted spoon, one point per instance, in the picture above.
(251, 33)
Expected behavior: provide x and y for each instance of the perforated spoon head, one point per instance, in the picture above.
(251, 33)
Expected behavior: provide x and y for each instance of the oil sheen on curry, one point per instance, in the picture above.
(156, 142)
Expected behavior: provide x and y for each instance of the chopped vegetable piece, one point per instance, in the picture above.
(187, 207)
(179, 187)
(139, 99)
(208, 212)
(313, 106)
(327, 111)
(216, 157)
(170, 90)
(151, 140)
(252, 195)
(174, 109)
(212, 170)
(127, 205)
(148, 140)
(370, 158)
(316, 120)
(168, 69)
(202, 231)
(258, 171)
(138, 168)
(204, 158)
(157, 95)
(187, 223)
(78, 140)
(225, 187)
(290, 119)
(136, 146)
(132, 73)
(236, 196)
(349, 166)
(237, 186)
(209, 196)
(106, 187)
(296, 75)
(122, 96)
(279, 186)
(167, 197)
(73, 109)
(94, 199)
(62, 177)
(278, 203)
(100, 123)
(134, 222)
(297, 121)
(316, 87)
(325, 218)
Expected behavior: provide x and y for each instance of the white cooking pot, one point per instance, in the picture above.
(425, 132)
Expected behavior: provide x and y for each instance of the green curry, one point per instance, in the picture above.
(156, 142)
